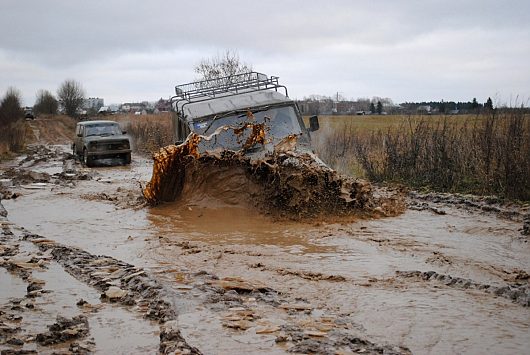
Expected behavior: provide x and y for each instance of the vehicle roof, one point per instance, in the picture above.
(97, 122)
(227, 103)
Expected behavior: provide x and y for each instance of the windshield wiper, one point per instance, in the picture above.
(215, 118)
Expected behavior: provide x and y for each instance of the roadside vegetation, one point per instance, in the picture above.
(72, 95)
(485, 154)
(149, 133)
(14, 131)
(46, 103)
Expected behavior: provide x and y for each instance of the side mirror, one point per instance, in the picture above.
(313, 123)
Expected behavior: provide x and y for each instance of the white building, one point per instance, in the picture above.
(93, 103)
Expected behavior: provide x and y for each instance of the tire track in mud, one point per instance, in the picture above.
(251, 305)
(518, 293)
(122, 283)
(484, 204)
(72, 333)
(125, 284)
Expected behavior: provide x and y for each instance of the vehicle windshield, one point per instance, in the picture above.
(102, 129)
(280, 122)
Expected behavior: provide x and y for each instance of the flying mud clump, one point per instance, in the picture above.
(281, 181)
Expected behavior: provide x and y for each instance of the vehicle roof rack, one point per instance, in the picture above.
(226, 86)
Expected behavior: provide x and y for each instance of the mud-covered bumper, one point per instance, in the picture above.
(107, 153)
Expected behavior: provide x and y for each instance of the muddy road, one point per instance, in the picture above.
(87, 267)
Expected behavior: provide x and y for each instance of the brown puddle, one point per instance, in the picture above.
(231, 224)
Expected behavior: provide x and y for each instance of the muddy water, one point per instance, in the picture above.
(344, 271)
(233, 225)
(424, 317)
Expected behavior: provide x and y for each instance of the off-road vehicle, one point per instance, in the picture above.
(241, 140)
(209, 106)
(101, 140)
(28, 113)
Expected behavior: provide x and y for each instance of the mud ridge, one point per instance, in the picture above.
(308, 275)
(490, 204)
(122, 283)
(518, 293)
(312, 342)
(526, 225)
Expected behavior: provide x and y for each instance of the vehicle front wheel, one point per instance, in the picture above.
(87, 159)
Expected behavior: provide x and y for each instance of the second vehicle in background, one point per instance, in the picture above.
(101, 140)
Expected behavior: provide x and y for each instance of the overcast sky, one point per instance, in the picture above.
(139, 50)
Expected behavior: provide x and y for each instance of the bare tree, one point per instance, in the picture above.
(222, 66)
(46, 103)
(71, 94)
(10, 107)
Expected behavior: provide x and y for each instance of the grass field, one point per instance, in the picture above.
(374, 123)
(481, 154)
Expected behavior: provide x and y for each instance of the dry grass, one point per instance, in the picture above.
(486, 154)
(53, 129)
(14, 137)
(148, 132)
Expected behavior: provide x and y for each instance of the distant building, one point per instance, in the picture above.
(162, 106)
(136, 107)
(94, 103)
(104, 110)
(424, 109)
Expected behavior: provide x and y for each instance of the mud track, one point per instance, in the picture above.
(89, 268)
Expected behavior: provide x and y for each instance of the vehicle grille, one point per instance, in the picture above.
(111, 146)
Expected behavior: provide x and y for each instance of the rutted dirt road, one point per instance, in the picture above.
(86, 266)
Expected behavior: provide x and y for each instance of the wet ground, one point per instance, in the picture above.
(450, 275)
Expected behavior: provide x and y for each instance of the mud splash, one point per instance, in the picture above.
(282, 182)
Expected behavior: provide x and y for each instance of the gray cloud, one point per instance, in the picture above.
(412, 50)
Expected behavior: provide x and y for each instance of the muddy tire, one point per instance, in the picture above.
(87, 160)
(127, 159)
(75, 153)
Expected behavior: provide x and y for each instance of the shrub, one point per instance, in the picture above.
(14, 129)
(46, 103)
(10, 108)
(149, 132)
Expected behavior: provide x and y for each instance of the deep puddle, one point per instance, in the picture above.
(233, 225)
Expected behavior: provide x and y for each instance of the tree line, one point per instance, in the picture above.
(447, 106)
(69, 97)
